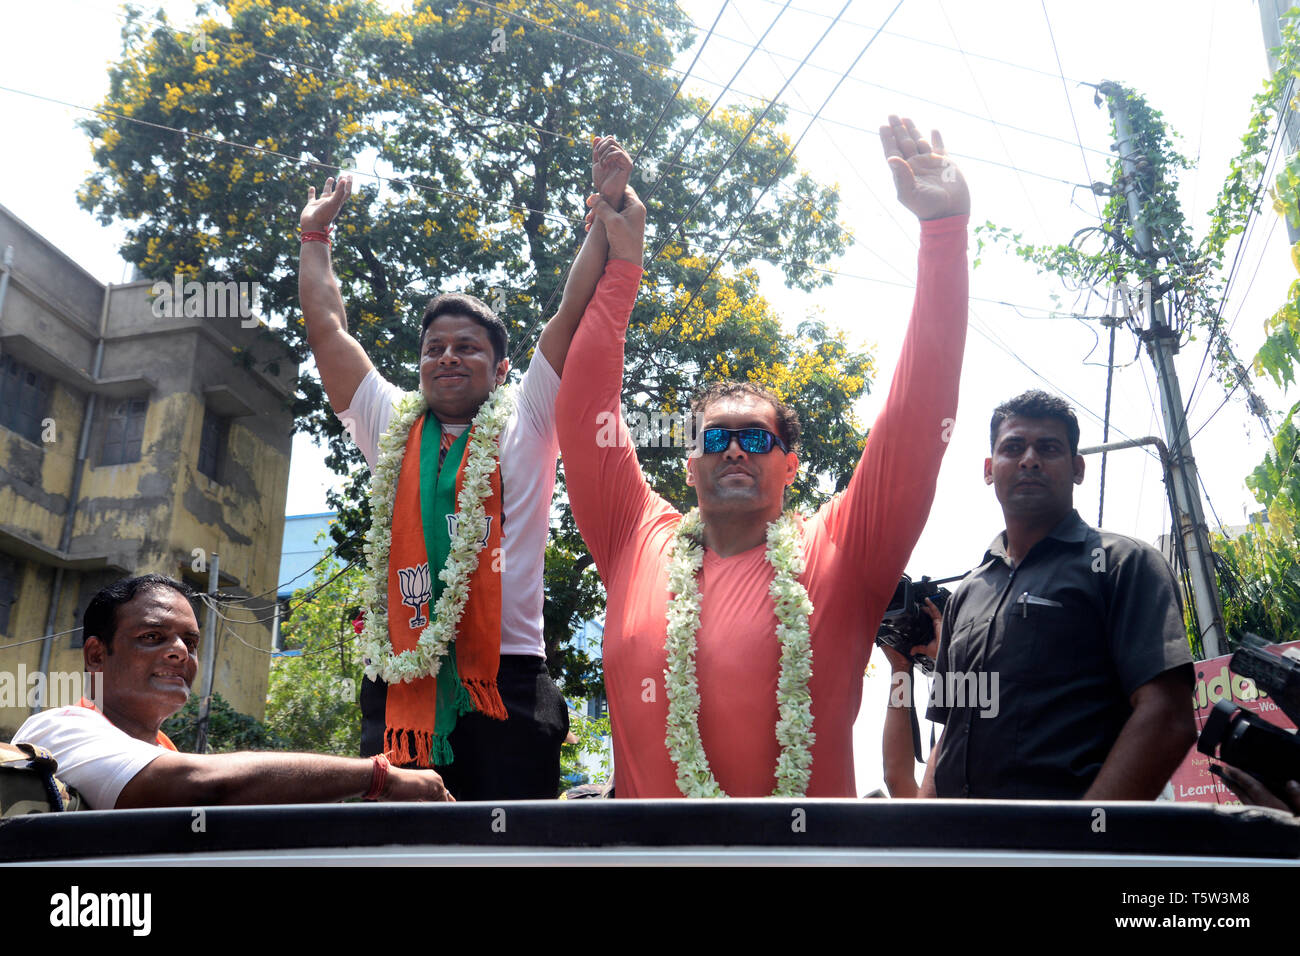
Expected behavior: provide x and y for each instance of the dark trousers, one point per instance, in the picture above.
(514, 759)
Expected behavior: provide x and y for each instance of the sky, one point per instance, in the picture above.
(1018, 123)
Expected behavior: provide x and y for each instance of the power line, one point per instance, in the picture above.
(1070, 103)
(930, 43)
(573, 36)
(37, 640)
(285, 156)
(887, 208)
(680, 83)
(989, 113)
(1217, 519)
(718, 99)
(852, 165)
(1051, 314)
(226, 627)
(559, 285)
(775, 176)
(1240, 308)
(1263, 253)
(554, 133)
(256, 149)
(349, 77)
(739, 145)
(653, 129)
(1247, 232)
(979, 159)
(921, 99)
(329, 554)
(307, 598)
(1205, 101)
(1227, 395)
(977, 322)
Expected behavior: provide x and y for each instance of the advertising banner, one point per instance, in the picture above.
(1192, 781)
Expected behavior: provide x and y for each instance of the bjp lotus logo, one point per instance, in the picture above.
(416, 591)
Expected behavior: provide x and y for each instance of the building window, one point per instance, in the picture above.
(24, 396)
(212, 443)
(8, 589)
(123, 431)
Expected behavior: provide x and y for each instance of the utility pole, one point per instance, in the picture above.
(209, 659)
(1162, 344)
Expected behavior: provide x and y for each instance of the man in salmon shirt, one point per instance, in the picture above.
(142, 636)
(733, 667)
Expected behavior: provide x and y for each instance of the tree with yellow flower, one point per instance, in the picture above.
(463, 125)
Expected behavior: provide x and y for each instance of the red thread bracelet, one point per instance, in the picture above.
(315, 237)
(378, 777)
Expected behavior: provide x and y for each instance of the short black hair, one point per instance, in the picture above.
(787, 419)
(1036, 404)
(457, 303)
(100, 619)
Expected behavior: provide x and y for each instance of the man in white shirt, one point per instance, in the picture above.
(142, 636)
(462, 359)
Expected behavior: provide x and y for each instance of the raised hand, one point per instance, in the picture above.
(625, 229)
(319, 213)
(610, 168)
(927, 181)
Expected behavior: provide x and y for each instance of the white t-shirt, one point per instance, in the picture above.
(529, 451)
(94, 756)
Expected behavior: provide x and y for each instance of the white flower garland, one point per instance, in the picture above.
(794, 727)
(466, 542)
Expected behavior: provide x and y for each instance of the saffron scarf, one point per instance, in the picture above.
(421, 714)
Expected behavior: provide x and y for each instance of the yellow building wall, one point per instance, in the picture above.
(147, 509)
(53, 476)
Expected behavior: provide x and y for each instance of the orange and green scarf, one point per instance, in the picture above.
(421, 714)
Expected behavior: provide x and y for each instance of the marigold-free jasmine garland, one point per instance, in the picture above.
(793, 608)
(483, 459)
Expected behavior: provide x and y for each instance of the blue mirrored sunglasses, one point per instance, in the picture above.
(753, 441)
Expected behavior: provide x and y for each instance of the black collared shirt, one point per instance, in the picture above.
(1036, 664)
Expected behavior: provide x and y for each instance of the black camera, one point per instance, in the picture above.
(1244, 739)
(906, 623)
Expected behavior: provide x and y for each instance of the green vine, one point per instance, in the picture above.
(1191, 274)
(1107, 254)
(1241, 197)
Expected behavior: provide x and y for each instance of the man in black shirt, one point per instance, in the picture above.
(1063, 668)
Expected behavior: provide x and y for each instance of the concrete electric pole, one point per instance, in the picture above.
(1162, 344)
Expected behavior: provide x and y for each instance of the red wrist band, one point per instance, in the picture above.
(378, 777)
(315, 237)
